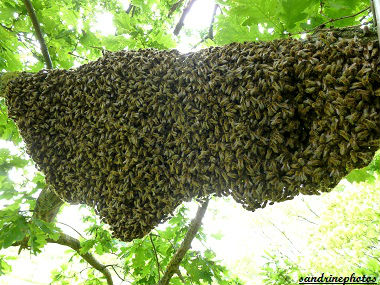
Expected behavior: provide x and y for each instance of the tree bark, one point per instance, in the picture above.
(37, 28)
(185, 246)
(73, 243)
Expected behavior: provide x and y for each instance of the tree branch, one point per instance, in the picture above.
(174, 7)
(321, 26)
(37, 28)
(46, 209)
(185, 11)
(178, 272)
(303, 218)
(130, 7)
(210, 34)
(6, 28)
(73, 243)
(78, 56)
(47, 205)
(373, 14)
(185, 246)
(114, 270)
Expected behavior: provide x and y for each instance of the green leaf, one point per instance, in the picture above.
(86, 245)
(4, 266)
(293, 11)
(139, 258)
(48, 228)
(99, 249)
(360, 175)
(7, 11)
(13, 232)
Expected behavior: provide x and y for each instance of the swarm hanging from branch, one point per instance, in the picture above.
(136, 133)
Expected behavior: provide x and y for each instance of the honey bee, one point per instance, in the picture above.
(137, 132)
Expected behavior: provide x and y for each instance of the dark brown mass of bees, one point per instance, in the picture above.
(135, 133)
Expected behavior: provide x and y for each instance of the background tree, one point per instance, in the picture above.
(67, 36)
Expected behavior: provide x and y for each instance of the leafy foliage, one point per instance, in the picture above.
(366, 174)
(279, 270)
(250, 20)
(140, 260)
(346, 244)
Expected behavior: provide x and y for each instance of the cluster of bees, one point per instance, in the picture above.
(136, 133)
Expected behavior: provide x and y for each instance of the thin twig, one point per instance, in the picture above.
(178, 272)
(117, 273)
(6, 28)
(19, 34)
(37, 28)
(303, 218)
(344, 17)
(185, 246)
(309, 208)
(155, 253)
(321, 26)
(71, 228)
(185, 11)
(78, 56)
(210, 34)
(284, 234)
(168, 240)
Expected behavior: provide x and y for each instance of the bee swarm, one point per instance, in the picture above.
(136, 133)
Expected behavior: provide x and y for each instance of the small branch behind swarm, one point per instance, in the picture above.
(210, 34)
(175, 7)
(185, 11)
(185, 246)
(155, 253)
(322, 26)
(37, 28)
